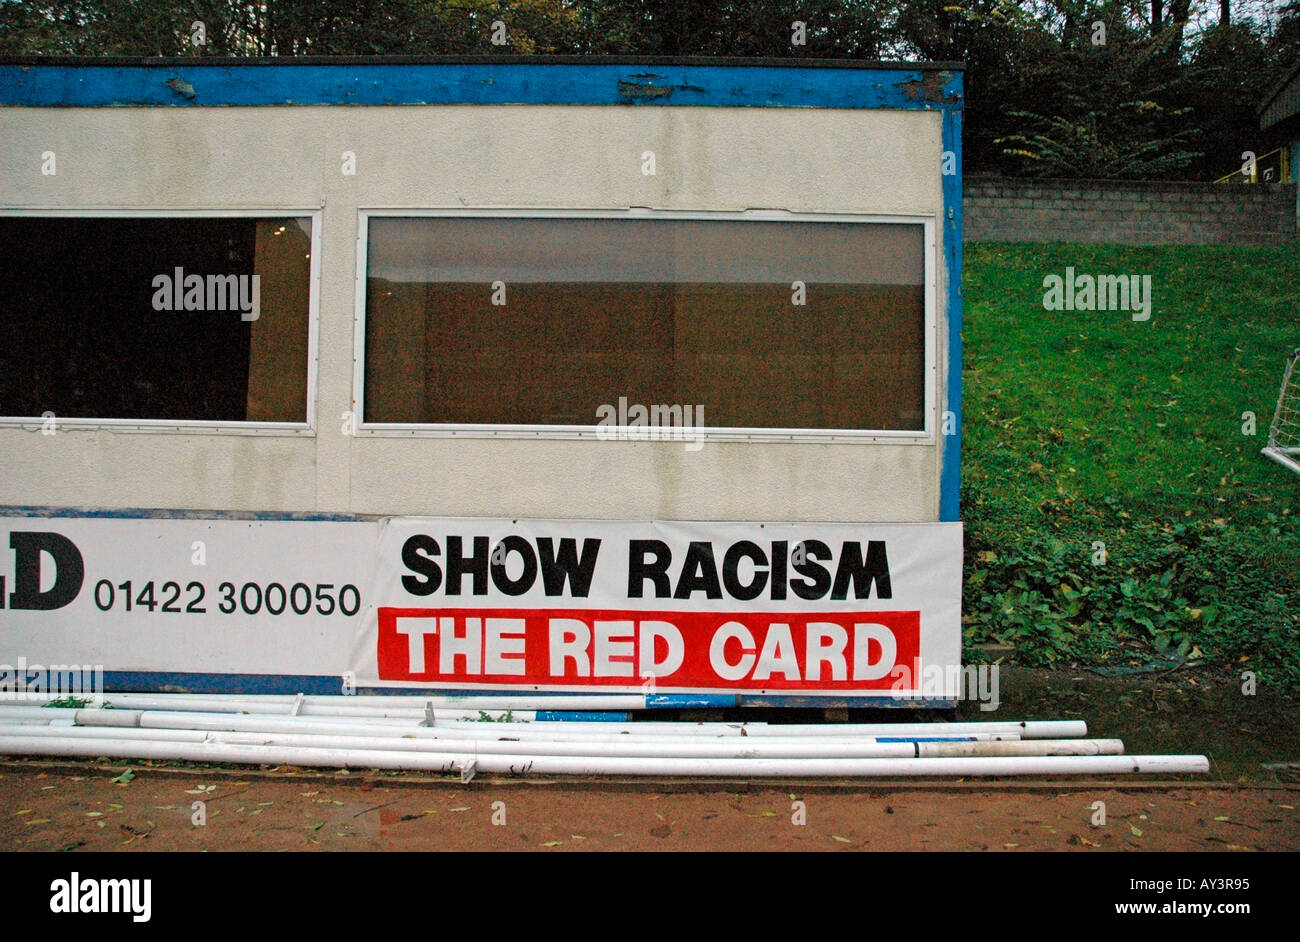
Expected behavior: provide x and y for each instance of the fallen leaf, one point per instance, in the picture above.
(1135, 830)
(23, 811)
(316, 827)
(552, 843)
(124, 778)
(1010, 845)
(39, 821)
(842, 840)
(457, 809)
(1221, 817)
(94, 814)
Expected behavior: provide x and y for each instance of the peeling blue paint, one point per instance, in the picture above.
(950, 445)
(169, 84)
(152, 513)
(691, 701)
(831, 701)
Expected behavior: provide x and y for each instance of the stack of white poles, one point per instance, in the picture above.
(446, 734)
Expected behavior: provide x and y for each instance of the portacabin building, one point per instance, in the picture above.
(492, 373)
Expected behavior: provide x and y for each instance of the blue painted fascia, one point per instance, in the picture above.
(950, 445)
(173, 84)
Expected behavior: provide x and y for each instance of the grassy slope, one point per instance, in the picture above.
(1088, 426)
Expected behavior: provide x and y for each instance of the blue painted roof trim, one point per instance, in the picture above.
(169, 83)
(153, 513)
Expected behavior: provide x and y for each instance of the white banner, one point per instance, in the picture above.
(812, 609)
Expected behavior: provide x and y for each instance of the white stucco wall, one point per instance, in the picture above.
(582, 157)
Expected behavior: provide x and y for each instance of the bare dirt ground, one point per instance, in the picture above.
(54, 809)
(1240, 806)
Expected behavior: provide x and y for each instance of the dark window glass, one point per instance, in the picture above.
(660, 311)
(181, 319)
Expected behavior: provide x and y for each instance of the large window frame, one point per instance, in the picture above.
(924, 436)
(198, 426)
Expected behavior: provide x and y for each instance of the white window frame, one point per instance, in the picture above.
(923, 436)
(204, 427)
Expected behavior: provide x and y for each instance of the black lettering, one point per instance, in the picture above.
(638, 569)
(415, 557)
(458, 565)
(730, 570)
(817, 580)
(780, 559)
(69, 570)
(863, 572)
(501, 578)
(567, 565)
(699, 571)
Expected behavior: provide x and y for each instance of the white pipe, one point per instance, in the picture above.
(273, 708)
(590, 765)
(657, 747)
(1051, 729)
(472, 703)
(556, 732)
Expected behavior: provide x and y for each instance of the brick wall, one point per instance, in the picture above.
(1014, 209)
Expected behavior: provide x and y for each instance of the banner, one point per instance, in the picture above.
(189, 596)
(493, 604)
(673, 607)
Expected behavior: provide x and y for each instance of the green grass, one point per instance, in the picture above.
(1086, 426)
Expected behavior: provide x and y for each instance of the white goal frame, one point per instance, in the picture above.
(1284, 434)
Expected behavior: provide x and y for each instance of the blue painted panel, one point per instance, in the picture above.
(925, 739)
(691, 701)
(576, 716)
(950, 472)
(183, 85)
(832, 701)
(184, 682)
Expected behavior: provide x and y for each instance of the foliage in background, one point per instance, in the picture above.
(1085, 427)
(1167, 96)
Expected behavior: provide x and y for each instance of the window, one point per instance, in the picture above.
(182, 319)
(540, 321)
